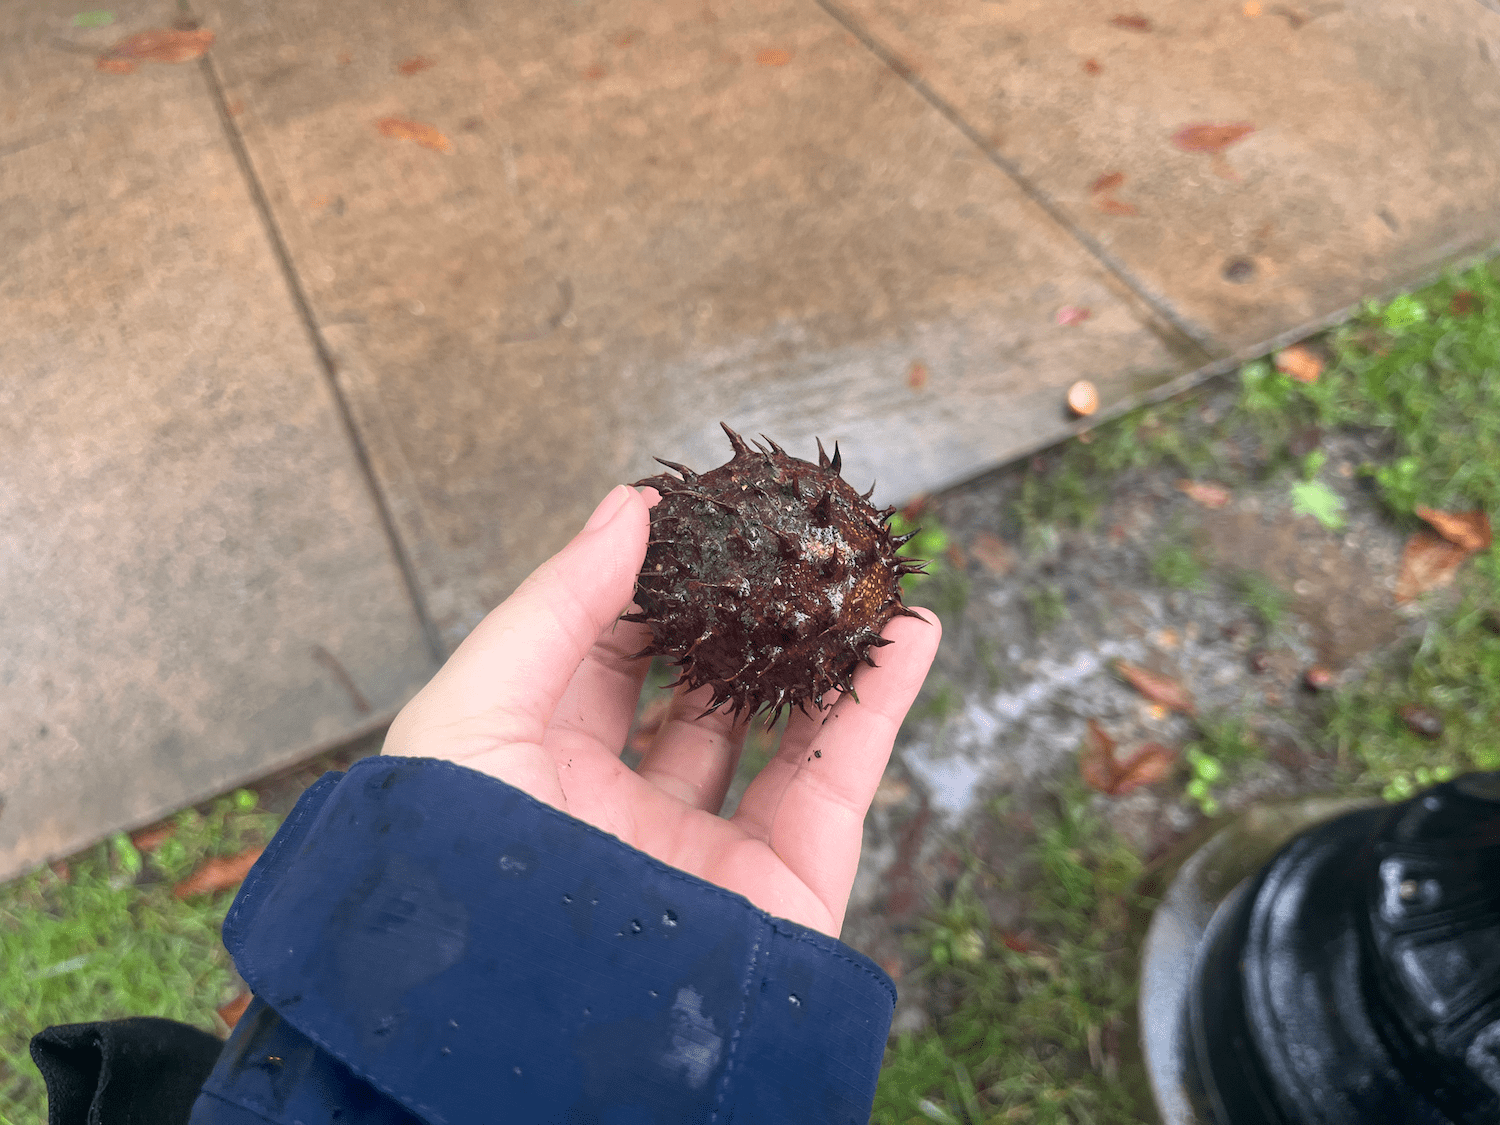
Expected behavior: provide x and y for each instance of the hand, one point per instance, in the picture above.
(542, 694)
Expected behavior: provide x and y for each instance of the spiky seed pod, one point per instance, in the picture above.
(769, 578)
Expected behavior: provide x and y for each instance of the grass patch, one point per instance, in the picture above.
(1033, 1020)
(111, 941)
(1175, 564)
(1264, 598)
(1453, 673)
(1046, 607)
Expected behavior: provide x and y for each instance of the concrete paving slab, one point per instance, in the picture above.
(195, 584)
(1374, 160)
(546, 243)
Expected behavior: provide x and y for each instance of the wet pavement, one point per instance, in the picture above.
(317, 344)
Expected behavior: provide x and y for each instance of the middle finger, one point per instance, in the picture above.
(694, 758)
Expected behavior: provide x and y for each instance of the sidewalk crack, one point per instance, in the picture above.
(282, 253)
(1190, 341)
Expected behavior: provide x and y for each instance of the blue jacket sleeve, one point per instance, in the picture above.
(427, 944)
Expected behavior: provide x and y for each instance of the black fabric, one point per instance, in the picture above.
(138, 1071)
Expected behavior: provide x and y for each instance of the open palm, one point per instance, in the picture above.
(542, 693)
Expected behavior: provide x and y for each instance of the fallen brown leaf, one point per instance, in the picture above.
(1205, 492)
(1300, 363)
(401, 129)
(773, 56)
(219, 873)
(1096, 761)
(231, 1012)
(1091, 66)
(1102, 771)
(916, 375)
(1069, 315)
(163, 45)
(1132, 23)
(149, 839)
(1146, 766)
(1422, 720)
(1469, 530)
(992, 553)
(1108, 182)
(1112, 206)
(414, 65)
(1019, 943)
(1156, 687)
(1428, 561)
(1211, 138)
(1463, 303)
(956, 557)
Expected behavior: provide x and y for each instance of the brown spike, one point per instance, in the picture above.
(635, 618)
(899, 541)
(823, 510)
(838, 461)
(687, 473)
(649, 650)
(868, 492)
(868, 659)
(774, 447)
(823, 461)
(740, 448)
(881, 642)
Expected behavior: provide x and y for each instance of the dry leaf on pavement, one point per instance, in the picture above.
(219, 873)
(1156, 687)
(992, 553)
(1299, 363)
(916, 375)
(414, 65)
(773, 56)
(402, 129)
(1096, 761)
(1101, 770)
(1469, 530)
(1069, 315)
(1132, 23)
(1112, 206)
(231, 1012)
(1108, 182)
(1427, 562)
(1211, 138)
(1146, 766)
(163, 45)
(1205, 492)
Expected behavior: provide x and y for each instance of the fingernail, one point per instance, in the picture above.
(608, 507)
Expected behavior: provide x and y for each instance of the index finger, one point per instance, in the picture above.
(489, 705)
